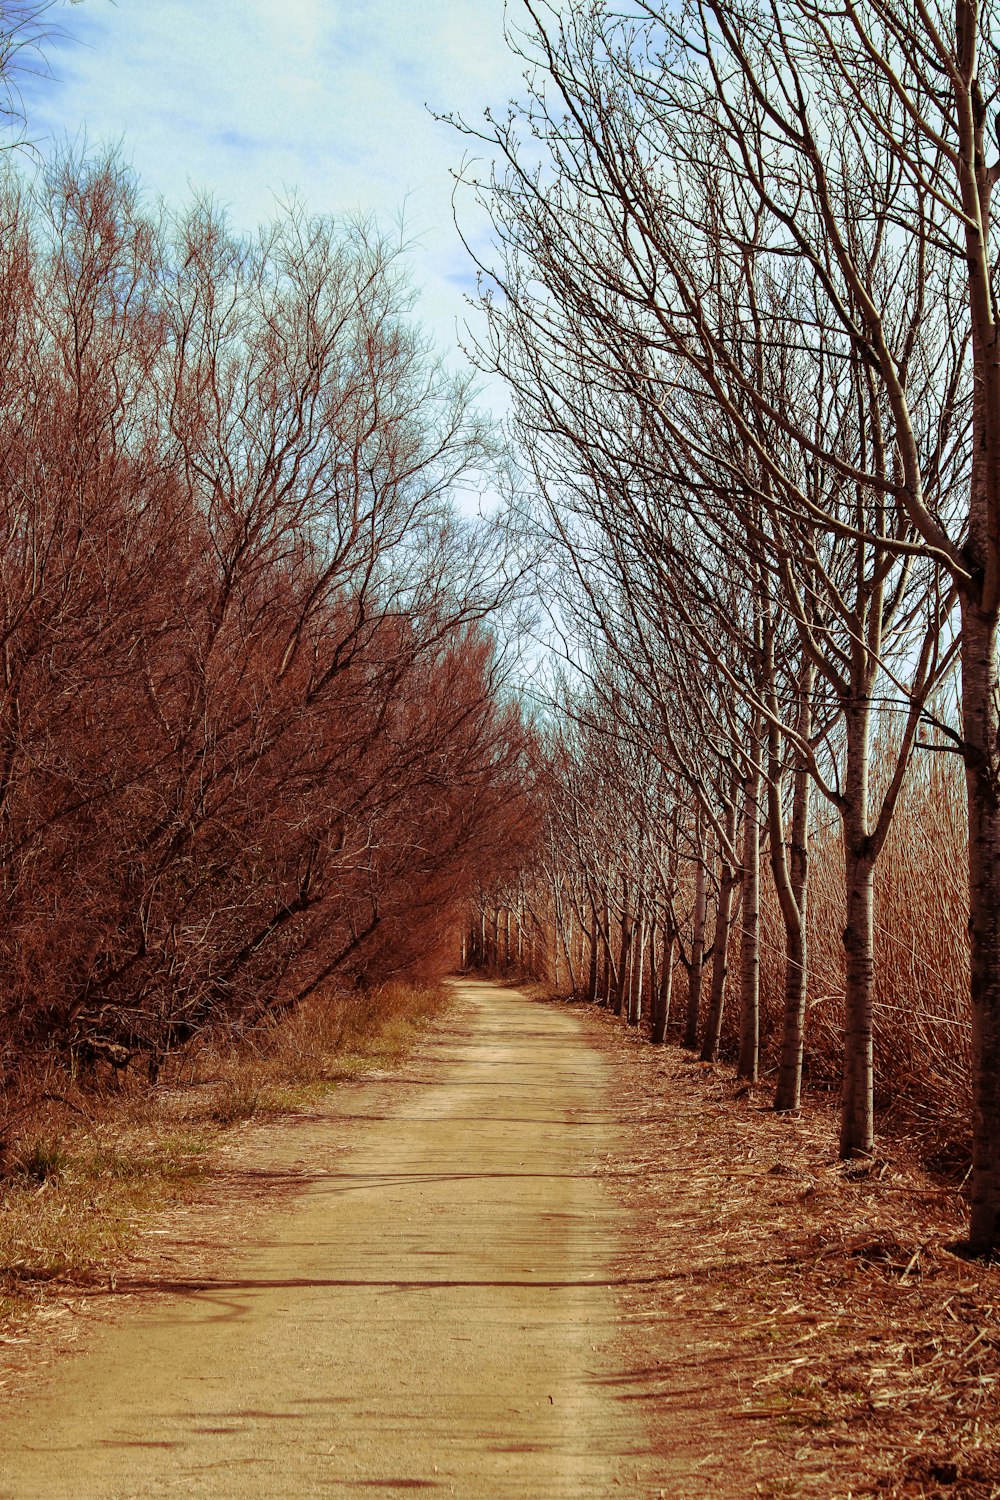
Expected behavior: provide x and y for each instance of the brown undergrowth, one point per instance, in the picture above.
(812, 1308)
(84, 1170)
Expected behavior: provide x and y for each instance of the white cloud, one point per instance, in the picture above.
(255, 98)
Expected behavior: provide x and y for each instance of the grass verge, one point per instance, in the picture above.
(84, 1171)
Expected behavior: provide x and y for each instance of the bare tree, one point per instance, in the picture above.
(671, 289)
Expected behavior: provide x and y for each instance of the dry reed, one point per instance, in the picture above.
(921, 1021)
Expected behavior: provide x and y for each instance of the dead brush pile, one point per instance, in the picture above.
(83, 1168)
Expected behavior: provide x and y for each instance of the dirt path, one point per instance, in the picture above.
(433, 1314)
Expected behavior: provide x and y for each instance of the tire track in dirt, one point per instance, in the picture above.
(433, 1314)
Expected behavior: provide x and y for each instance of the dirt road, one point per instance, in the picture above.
(432, 1314)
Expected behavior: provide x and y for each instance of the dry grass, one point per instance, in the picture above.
(84, 1171)
(922, 1030)
(810, 1313)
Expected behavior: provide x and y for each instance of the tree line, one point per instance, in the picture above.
(743, 292)
(255, 738)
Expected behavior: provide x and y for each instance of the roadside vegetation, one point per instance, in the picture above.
(86, 1171)
(258, 747)
(742, 288)
(615, 913)
(811, 1315)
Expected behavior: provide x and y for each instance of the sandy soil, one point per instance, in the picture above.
(434, 1312)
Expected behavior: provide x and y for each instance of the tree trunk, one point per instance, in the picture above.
(661, 1011)
(592, 979)
(788, 1093)
(608, 958)
(729, 881)
(638, 955)
(980, 716)
(857, 1121)
(791, 879)
(857, 1125)
(566, 938)
(749, 1057)
(624, 954)
(697, 968)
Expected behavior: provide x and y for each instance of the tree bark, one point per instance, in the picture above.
(566, 937)
(592, 979)
(749, 1058)
(610, 974)
(728, 883)
(624, 953)
(638, 957)
(857, 1122)
(981, 727)
(791, 879)
(857, 1126)
(697, 968)
(661, 1007)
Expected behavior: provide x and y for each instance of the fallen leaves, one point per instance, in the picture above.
(823, 1305)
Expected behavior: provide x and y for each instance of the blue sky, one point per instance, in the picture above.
(255, 99)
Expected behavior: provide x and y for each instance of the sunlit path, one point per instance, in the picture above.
(433, 1315)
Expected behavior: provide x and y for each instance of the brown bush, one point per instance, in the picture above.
(251, 733)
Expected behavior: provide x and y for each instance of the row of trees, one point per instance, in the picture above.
(253, 731)
(745, 300)
(630, 902)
